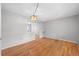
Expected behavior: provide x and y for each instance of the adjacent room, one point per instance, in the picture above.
(40, 29)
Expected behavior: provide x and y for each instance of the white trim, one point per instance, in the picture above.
(63, 39)
(15, 44)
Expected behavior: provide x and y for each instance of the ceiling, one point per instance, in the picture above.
(45, 11)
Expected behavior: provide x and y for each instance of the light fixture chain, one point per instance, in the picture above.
(36, 8)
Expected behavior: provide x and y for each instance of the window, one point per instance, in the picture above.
(29, 27)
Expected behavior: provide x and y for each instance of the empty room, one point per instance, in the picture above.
(40, 29)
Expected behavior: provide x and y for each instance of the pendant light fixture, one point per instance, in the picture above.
(34, 16)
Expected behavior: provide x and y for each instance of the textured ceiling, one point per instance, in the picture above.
(45, 11)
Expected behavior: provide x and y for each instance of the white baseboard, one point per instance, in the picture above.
(62, 39)
(15, 44)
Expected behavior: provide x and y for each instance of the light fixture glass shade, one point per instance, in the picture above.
(33, 18)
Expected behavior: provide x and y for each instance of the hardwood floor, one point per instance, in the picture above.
(43, 47)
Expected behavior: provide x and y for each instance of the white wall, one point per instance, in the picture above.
(0, 28)
(0, 20)
(37, 28)
(0, 47)
(14, 29)
(66, 28)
